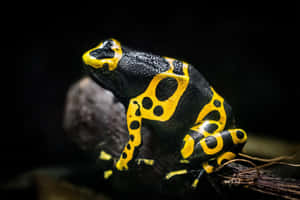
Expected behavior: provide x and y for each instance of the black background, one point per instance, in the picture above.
(248, 53)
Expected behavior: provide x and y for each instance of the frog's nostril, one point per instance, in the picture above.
(102, 53)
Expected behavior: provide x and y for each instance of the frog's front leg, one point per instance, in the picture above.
(134, 122)
(110, 158)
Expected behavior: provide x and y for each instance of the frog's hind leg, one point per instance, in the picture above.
(208, 143)
(212, 164)
(218, 148)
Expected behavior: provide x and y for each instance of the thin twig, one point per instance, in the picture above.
(273, 160)
(240, 160)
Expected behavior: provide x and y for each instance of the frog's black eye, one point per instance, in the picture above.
(102, 53)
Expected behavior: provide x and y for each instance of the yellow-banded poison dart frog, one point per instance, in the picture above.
(172, 98)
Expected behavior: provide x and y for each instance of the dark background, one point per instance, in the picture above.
(248, 54)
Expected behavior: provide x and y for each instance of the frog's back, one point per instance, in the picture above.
(197, 94)
(206, 95)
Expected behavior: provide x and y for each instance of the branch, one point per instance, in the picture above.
(96, 121)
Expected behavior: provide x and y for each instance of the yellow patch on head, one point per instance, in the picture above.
(98, 63)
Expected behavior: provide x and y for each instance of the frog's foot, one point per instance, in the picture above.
(176, 173)
(108, 173)
(196, 181)
(105, 156)
(109, 158)
(209, 166)
(140, 161)
(185, 171)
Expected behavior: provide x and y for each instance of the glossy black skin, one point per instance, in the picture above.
(133, 74)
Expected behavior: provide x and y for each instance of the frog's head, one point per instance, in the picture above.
(106, 55)
(101, 63)
(123, 71)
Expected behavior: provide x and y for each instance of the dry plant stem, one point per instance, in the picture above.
(267, 184)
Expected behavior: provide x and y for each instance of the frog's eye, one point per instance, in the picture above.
(108, 52)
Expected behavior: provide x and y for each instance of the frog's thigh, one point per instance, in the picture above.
(221, 146)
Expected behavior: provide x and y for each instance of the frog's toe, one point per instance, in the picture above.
(105, 156)
(196, 181)
(108, 173)
(141, 161)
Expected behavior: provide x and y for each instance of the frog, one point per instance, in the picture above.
(173, 98)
